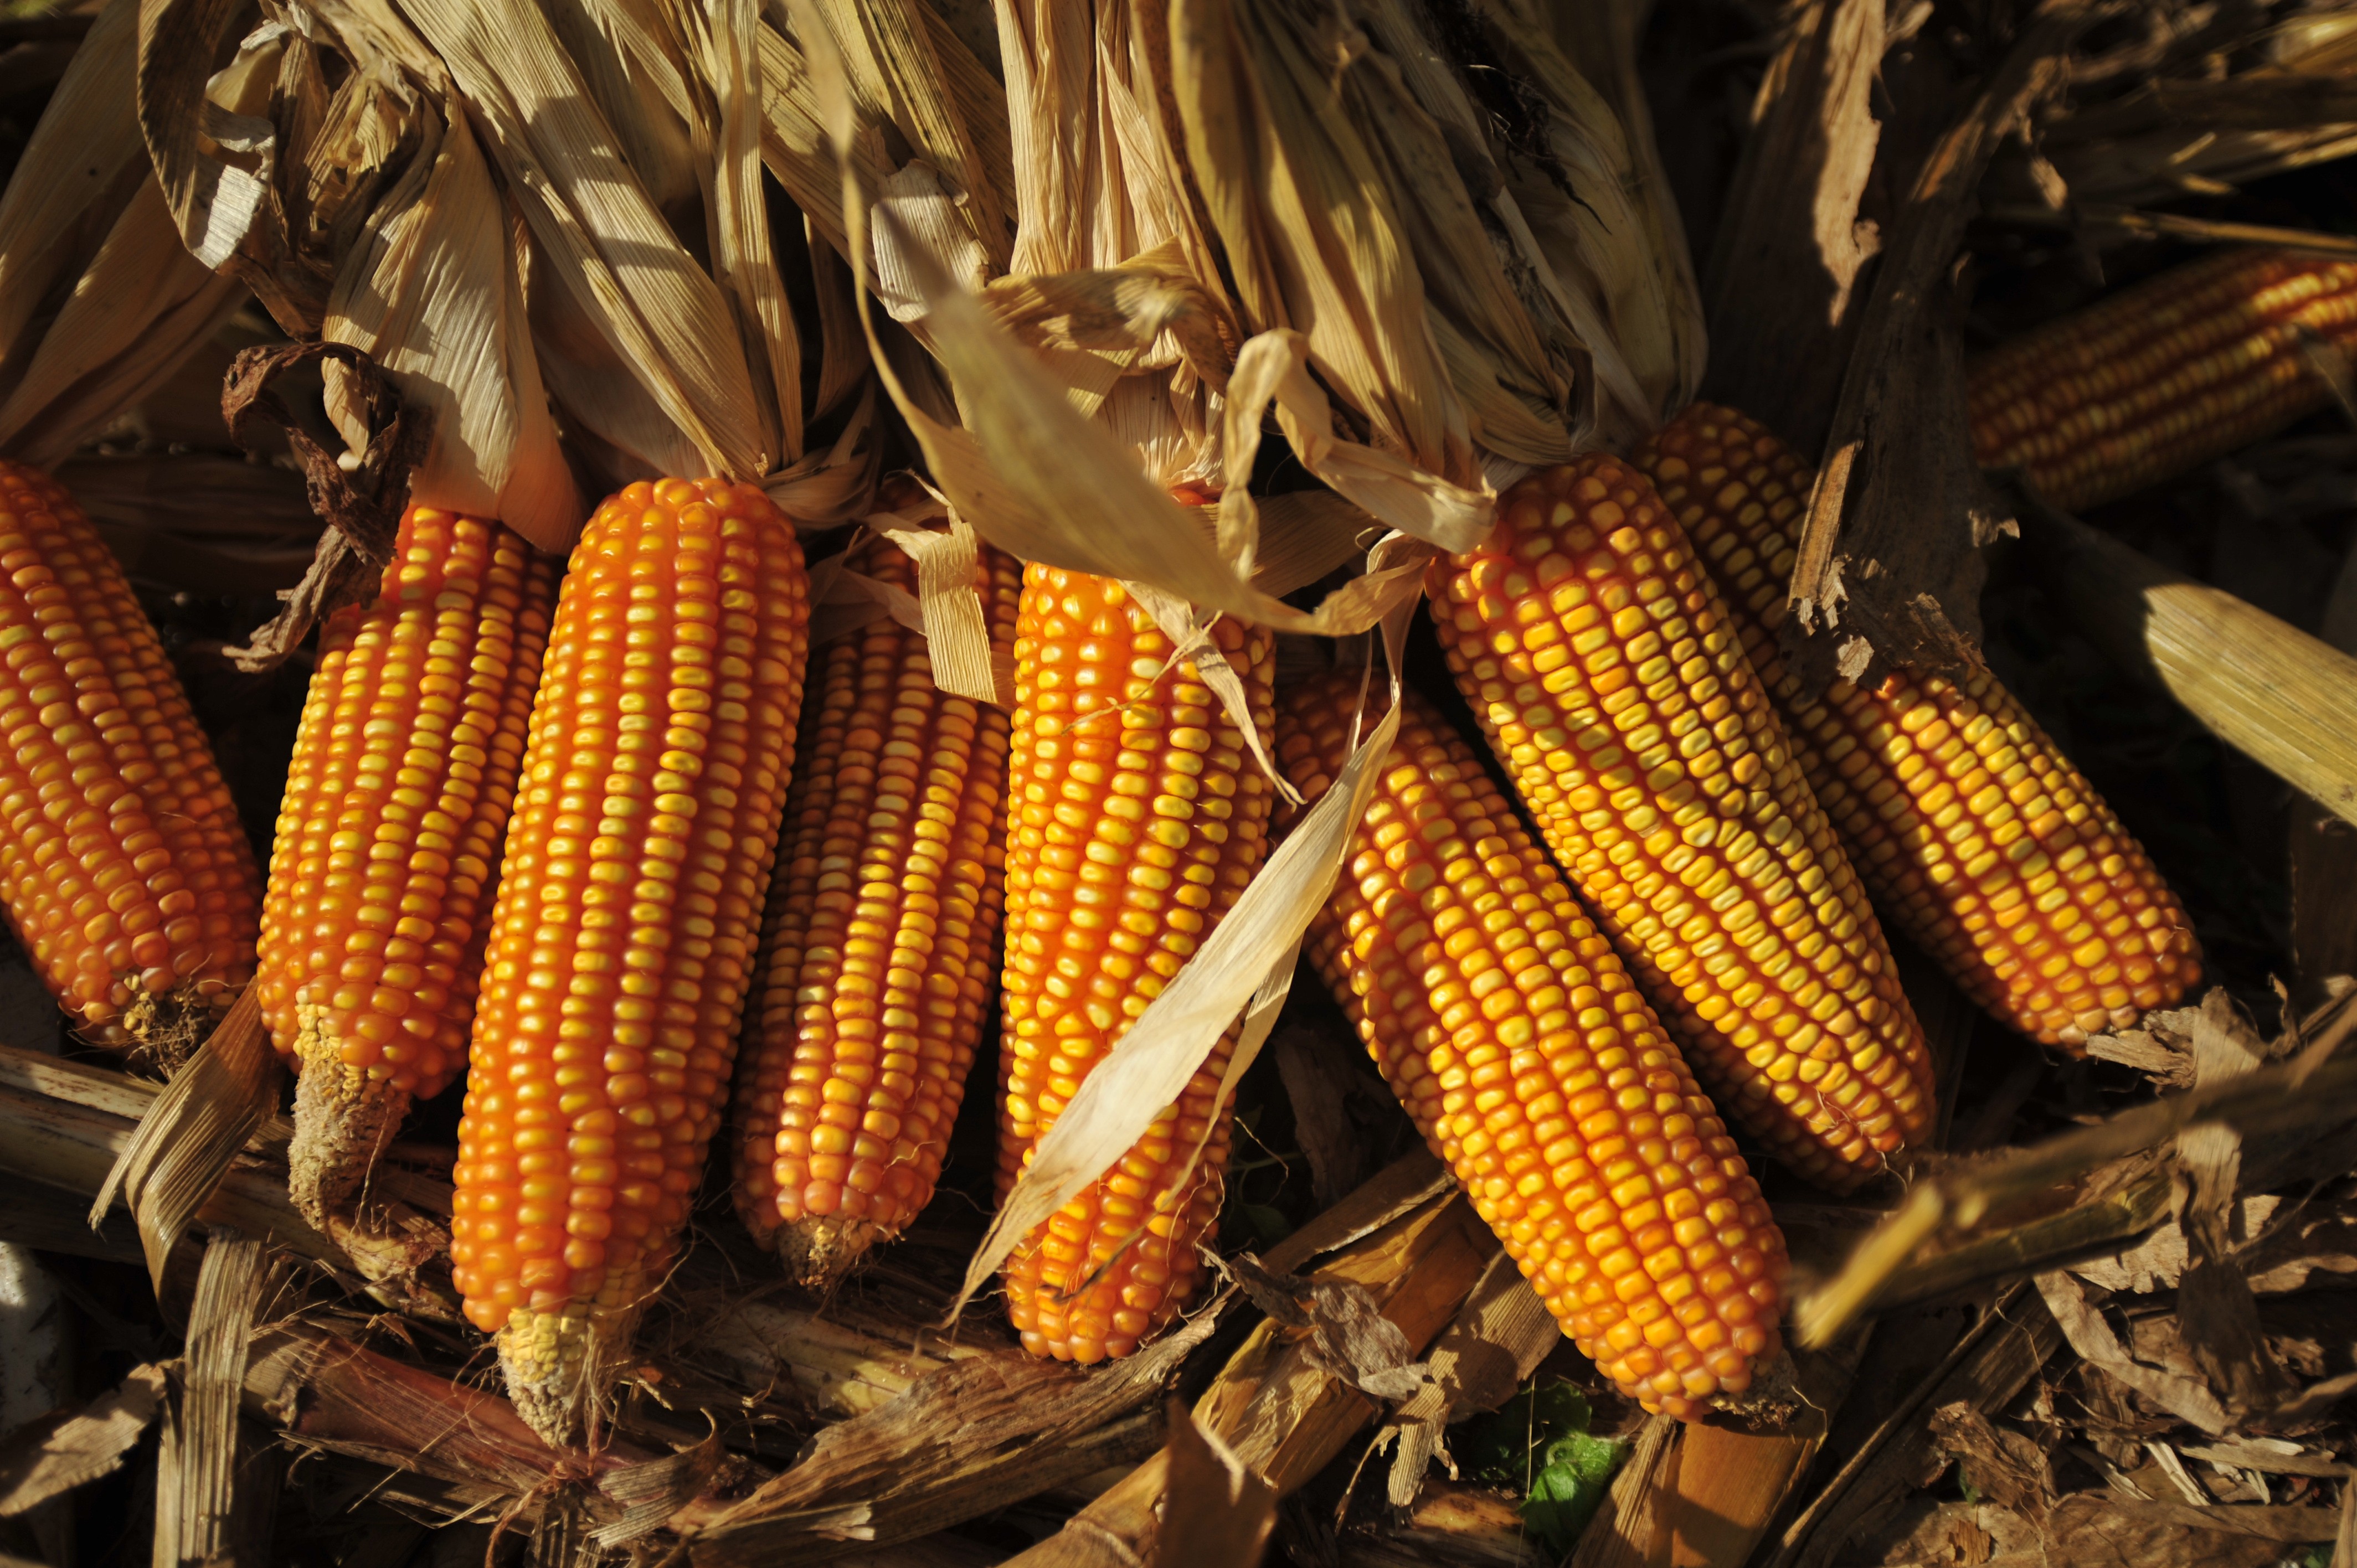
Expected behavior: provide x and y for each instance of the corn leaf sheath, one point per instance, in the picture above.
(622, 943)
(1608, 678)
(1135, 817)
(881, 939)
(381, 883)
(2159, 378)
(1532, 1066)
(129, 880)
(1973, 833)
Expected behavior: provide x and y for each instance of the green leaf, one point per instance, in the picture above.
(1564, 1496)
(1268, 1223)
(1539, 1441)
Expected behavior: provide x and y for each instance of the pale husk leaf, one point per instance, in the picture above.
(202, 1463)
(736, 218)
(949, 608)
(836, 485)
(434, 296)
(1274, 368)
(78, 157)
(1658, 318)
(1152, 1062)
(607, 247)
(634, 61)
(185, 1142)
(894, 53)
(1312, 236)
(140, 308)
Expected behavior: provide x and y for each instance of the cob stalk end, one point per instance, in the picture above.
(818, 1250)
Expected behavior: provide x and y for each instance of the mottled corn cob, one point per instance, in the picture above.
(622, 942)
(881, 939)
(379, 891)
(1135, 818)
(1526, 1058)
(1607, 676)
(1975, 834)
(2160, 378)
(127, 878)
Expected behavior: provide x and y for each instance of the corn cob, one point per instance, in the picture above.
(1605, 673)
(378, 897)
(621, 945)
(1973, 833)
(127, 878)
(2158, 379)
(880, 941)
(1135, 818)
(1531, 1063)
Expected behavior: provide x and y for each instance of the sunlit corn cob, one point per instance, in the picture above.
(1524, 1055)
(2160, 378)
(882, 937)
(621, 945)
(1135, 818)
(379, 891)
(127, 876)
(1607, 676)
(1975, 834)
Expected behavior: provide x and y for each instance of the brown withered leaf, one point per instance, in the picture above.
(2098, 1530)
(362, 505)
(1791, 241)
(51, 1457)
(1888, 559)
(328, 1393)
(2215, 1308)
(1496, 1342)
(1349, 1338)
(2000, 1461)
(205, 1477)
(2094, 1339)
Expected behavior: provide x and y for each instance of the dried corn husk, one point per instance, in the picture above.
(98, 304)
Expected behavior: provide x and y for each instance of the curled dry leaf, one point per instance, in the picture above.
(1348, 1338)
(361, 504)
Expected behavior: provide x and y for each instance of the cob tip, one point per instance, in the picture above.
(554, 1364)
